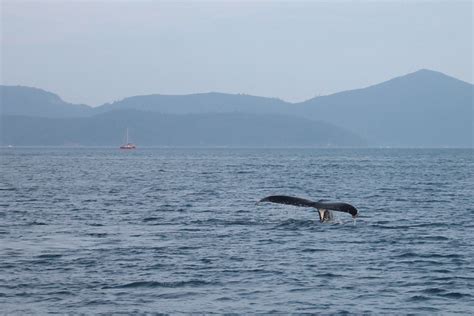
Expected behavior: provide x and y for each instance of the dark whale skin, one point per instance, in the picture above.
(291, 200)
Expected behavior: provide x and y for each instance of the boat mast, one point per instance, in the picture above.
(126, 140)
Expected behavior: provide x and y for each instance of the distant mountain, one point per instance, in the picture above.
(155, 129)
(19, 100)
(425, 108)
(422, 109)
(211, 102)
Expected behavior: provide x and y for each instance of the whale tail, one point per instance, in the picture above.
(324, 209)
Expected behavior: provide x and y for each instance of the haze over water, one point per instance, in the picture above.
(177, 230)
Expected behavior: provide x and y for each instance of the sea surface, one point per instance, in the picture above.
(99, 230)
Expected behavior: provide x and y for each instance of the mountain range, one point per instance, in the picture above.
(422, 109)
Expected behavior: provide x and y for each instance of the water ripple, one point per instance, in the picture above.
(94, 230)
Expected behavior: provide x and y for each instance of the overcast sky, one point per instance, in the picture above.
(94, 52)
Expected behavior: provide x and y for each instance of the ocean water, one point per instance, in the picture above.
(178, 231)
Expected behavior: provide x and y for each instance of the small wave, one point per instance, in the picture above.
(255, 270)
(300, 289)
(96, 224)
(170, 208)
(236, 258)
(35, 223)
(418, 298)
(99, 302)
(422, 262)
(456, 295)
(252, 293)
(314, 250)
(391, 227)
(408, 227)
(433, 291)
(370, 277)
(428, 309)
(157, 266)
(50, 256)
(328, 275)
(190, 229)
(155, 284)
(85, 262)
(428, 255)
(295, 223)
(98, 235)
(179, 295)
(386, 189)
(435, 238)
(407, 255)
(215, 221)
(224, 299)
(8, 189)
(189, 247)
(150, 219)
(61, 293)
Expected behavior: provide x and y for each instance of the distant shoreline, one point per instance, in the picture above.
(234, 147)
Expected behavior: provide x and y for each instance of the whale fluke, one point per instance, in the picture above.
(290, 200)
(322, 207)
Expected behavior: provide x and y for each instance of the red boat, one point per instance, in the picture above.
(127, 144)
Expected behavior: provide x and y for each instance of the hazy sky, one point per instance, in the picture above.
(94, 52)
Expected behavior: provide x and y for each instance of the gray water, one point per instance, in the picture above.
(177, 230)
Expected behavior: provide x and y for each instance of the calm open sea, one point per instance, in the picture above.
(177, 230)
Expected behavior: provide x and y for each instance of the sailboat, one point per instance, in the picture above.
(127, 144)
